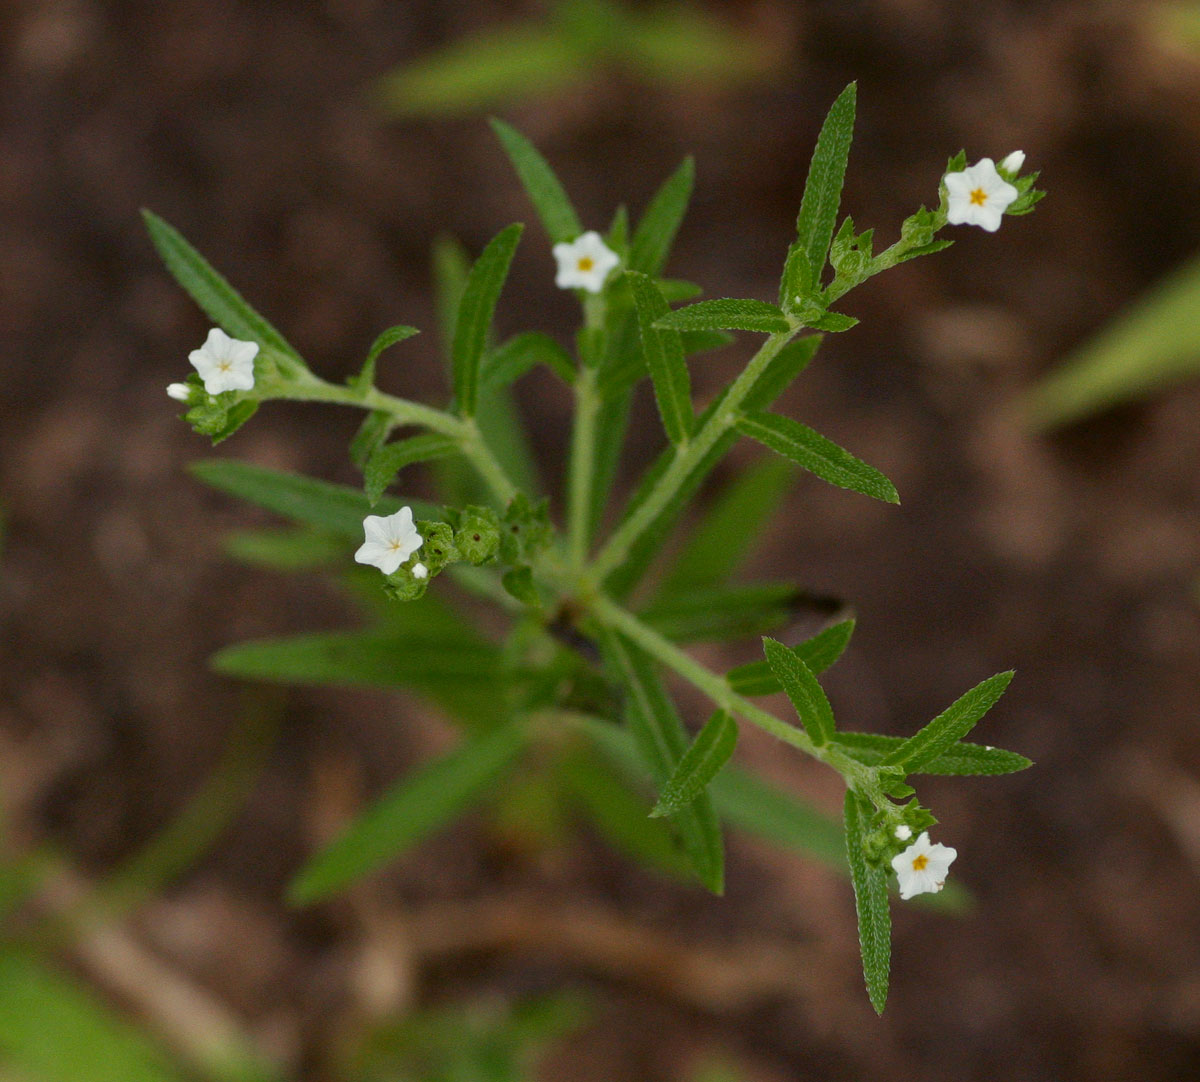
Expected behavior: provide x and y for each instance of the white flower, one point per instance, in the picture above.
(178, 391)
(903, 832)
(978, 196)
(1012, 164)
(224, 363)
(584, 263)
(420, 571)
(922, 867)
(389, 540)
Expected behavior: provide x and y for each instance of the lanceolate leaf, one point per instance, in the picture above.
(802, 688)
(960, 759)
(393, 335)
(871, 901)
(822, 197)
(817, 455)
(409, 812)
(702, 761)
(662, 741)
(783, 368)
(655, 233)
(218, 299)
(475, 311)
(510, 361)
(543, 187)
(664, 358)
(336, 508)
(950, 726)
(818, 653)
(390, 459)
(727, 314)
(709, 613)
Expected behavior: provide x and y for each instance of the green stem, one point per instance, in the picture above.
(405, 412)
(686, 459)
(583, 465)
(859, 777)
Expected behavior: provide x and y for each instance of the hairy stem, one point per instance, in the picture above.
(583, 464)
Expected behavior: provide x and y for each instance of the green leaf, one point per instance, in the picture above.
(464, 676)
(817, 454)
(289, 549)
(390, 459)
(803, 689)
(450, 264)
(727, 314)
(695, 342)
(371, 435)
(510, 361)
(871, 901)
(485, 71)
(819, 205)
(959, 759)
(53, 1029)
(655, 233)
(366, 378)
(718, 543)
(220, 420)
(215, 296)
(506, 436)
(663, 351)
(833, 322)
(701, 763)
(619, 815)
(335, 508)
(662, 742)
(780, 371)
(950, 726)
(708, 613)
(545, 192)
(478, 304)
(518, 581)
(410, 811)
(818, 653)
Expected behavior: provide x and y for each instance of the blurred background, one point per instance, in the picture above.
(1051, 523)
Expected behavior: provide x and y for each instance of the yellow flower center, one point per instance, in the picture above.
(224, 366)
(920, 862)
(586, 263)
(978, 197)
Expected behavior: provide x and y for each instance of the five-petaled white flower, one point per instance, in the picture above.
(978, 196)
(584, 263)
(224, 363)
(922, 867)
(178, 391)
(389, 540)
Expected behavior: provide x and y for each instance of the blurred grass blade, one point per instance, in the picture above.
(431, 798)
(950, 726)
(291, 548)
(713, 613)
(819, 205)
(215, 296)
(451, 263)
(335, 508)
(52, 1029)
(819, 456)
(478, 73)
(718, 543)
(710, 751)
(1154, 343)
(545, 192)
(804, 690)
(663, 351)
(507, 437)
(871, 900)
(509, 362)
(682, 45)
(371, 435)
(474, 322)
(959, 759)
(662, 742)
(656, 231)
(727, 314)
(390, 459)
(818, 653)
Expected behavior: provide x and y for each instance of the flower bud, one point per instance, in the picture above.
(1012, 164)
